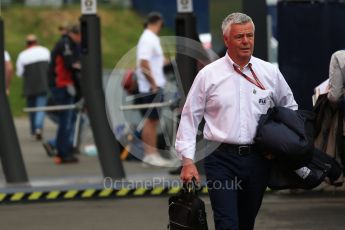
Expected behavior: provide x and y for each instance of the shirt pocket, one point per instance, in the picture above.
(262, 101)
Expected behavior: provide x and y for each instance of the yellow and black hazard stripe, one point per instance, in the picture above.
(86, 194)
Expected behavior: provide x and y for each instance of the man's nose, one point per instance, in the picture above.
(245, 39)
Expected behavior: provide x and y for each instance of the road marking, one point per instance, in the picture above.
(53, 195)
(105, 192)
(139, 192)
(123, 192)
(17, 196)
(2, 196)
(35, 195)
(71, 194)
(157, 191)
(174, 190)
(88, 193)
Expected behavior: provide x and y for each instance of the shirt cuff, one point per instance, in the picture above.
(187, 153)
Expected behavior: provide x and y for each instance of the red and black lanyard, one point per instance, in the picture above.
(256, 82)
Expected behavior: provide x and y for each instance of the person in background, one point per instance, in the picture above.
(151, 81)
(231, 94)
(336, 90)
(63, 29)
(50, 145)
(32, 64)
(337, 77)
(8, 71)
(64, 82)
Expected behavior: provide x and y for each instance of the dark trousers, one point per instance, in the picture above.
(66, 122)
(236, 186)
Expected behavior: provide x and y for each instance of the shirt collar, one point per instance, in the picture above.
(231, 62)
(150, 32)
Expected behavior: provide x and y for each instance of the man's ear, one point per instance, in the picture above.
(225, 39)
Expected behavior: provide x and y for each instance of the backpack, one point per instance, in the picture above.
(187, 210)
(129, 82)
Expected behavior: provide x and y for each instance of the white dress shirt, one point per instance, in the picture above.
(149, 49)
(230, 104)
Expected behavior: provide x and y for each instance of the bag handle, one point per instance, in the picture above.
(191, 187)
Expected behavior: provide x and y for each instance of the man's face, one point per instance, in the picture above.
(75, 37)
(158, 26)
(240, 41)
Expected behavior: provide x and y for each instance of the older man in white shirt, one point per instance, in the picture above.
(231, 94)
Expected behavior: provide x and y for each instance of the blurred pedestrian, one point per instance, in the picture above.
(335, 142)
(64, 82)
(32, 64)
(63, 29)
(8, 71)
(50, 145)
(337, 77)
(231, 94)
(151, 81)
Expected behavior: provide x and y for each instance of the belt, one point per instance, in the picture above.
(239, 149)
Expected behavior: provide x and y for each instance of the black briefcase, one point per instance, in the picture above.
(187, 210)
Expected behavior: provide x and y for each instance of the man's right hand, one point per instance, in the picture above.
(189, 171)
(154, 88)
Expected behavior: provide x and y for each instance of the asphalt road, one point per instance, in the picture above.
(279, 212)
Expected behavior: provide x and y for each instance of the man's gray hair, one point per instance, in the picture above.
(235, 18)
